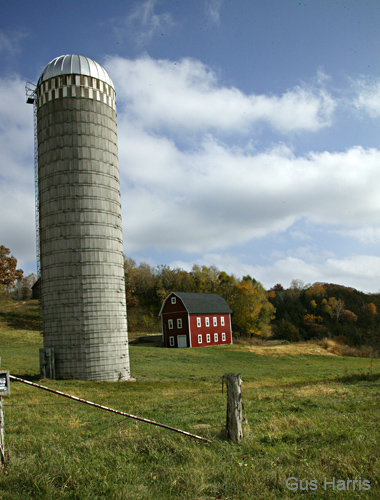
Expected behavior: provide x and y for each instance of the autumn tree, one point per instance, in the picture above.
(146, 284)
(349, 316)
(313, 324)
(296, 287)
(204, 278)
(9, 273)
(316, 290)
(226, 286)
(171, 280)
(313, 304)
(130, 274)
(371, 308)
(334, 307)
(252, 312)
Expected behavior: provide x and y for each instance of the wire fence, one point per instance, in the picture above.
(25, 423)
(204, 409)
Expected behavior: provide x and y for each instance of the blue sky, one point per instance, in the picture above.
(248, 130)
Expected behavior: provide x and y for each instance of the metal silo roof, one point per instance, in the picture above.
(74, 65)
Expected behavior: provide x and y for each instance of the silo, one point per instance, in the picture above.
(81, 248)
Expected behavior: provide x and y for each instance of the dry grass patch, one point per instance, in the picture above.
(298, 349)
(74, 422)
(337, 348)
(307, 392)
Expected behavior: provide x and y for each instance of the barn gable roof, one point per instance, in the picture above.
(201, 303)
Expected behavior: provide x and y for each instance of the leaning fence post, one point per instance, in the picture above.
(234, 406)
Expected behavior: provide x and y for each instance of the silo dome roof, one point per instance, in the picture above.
(77, 65)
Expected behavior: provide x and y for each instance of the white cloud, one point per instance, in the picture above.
(17, 213)
(367, 97)
(18, 223)
(185, 95)
(360, 272)
(366, 235)
(215, 196)
(9, 42)
(213, 8)
(16, 132)
(146, 23)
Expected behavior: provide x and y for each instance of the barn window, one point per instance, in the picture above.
(215, 321)
(171, 341)
(170, 324)
(208, 338)
(223, 337)
(215, 337)
(222, 320)
(179, 323)
(207, 321)
(199, 339)
(174, 300)
(199, 322)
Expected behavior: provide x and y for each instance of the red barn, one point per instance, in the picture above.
(195, 320)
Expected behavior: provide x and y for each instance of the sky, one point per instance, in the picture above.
(248, 130)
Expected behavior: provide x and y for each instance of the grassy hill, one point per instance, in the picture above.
(309, 415)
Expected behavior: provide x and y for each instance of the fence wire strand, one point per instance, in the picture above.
(250, 410)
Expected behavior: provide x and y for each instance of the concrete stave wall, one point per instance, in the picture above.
(82, 264)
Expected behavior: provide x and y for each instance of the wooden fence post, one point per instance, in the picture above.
(234, 407)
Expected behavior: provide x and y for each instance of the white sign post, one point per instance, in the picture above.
(5, 389)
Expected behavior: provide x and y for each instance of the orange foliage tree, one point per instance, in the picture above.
(9, 273)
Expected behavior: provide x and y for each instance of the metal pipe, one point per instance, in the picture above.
(102, 407)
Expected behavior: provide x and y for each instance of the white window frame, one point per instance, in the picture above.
(208, 338)
(199, 339)
(170, 324)
(216, 337)
(215, 321)
(222, 320)
(179, 323)
(223, 337)
(207, 321)
(171, 341)
(199, 322)
(174, 300)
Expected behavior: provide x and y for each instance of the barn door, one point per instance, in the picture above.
(182, 340)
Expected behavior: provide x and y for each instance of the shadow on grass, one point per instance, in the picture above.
(147, 344)
(21, 315)
(26, 376)
(20, 323)
(146, 341)
(359, 377)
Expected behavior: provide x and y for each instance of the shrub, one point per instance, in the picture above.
(337, 347)
(284, 329)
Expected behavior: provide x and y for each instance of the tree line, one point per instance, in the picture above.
(300, 312)
(147, 287)
(305, 311)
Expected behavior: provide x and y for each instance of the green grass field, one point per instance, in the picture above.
(309, 416)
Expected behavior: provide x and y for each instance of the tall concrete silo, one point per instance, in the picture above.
(81, 248)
